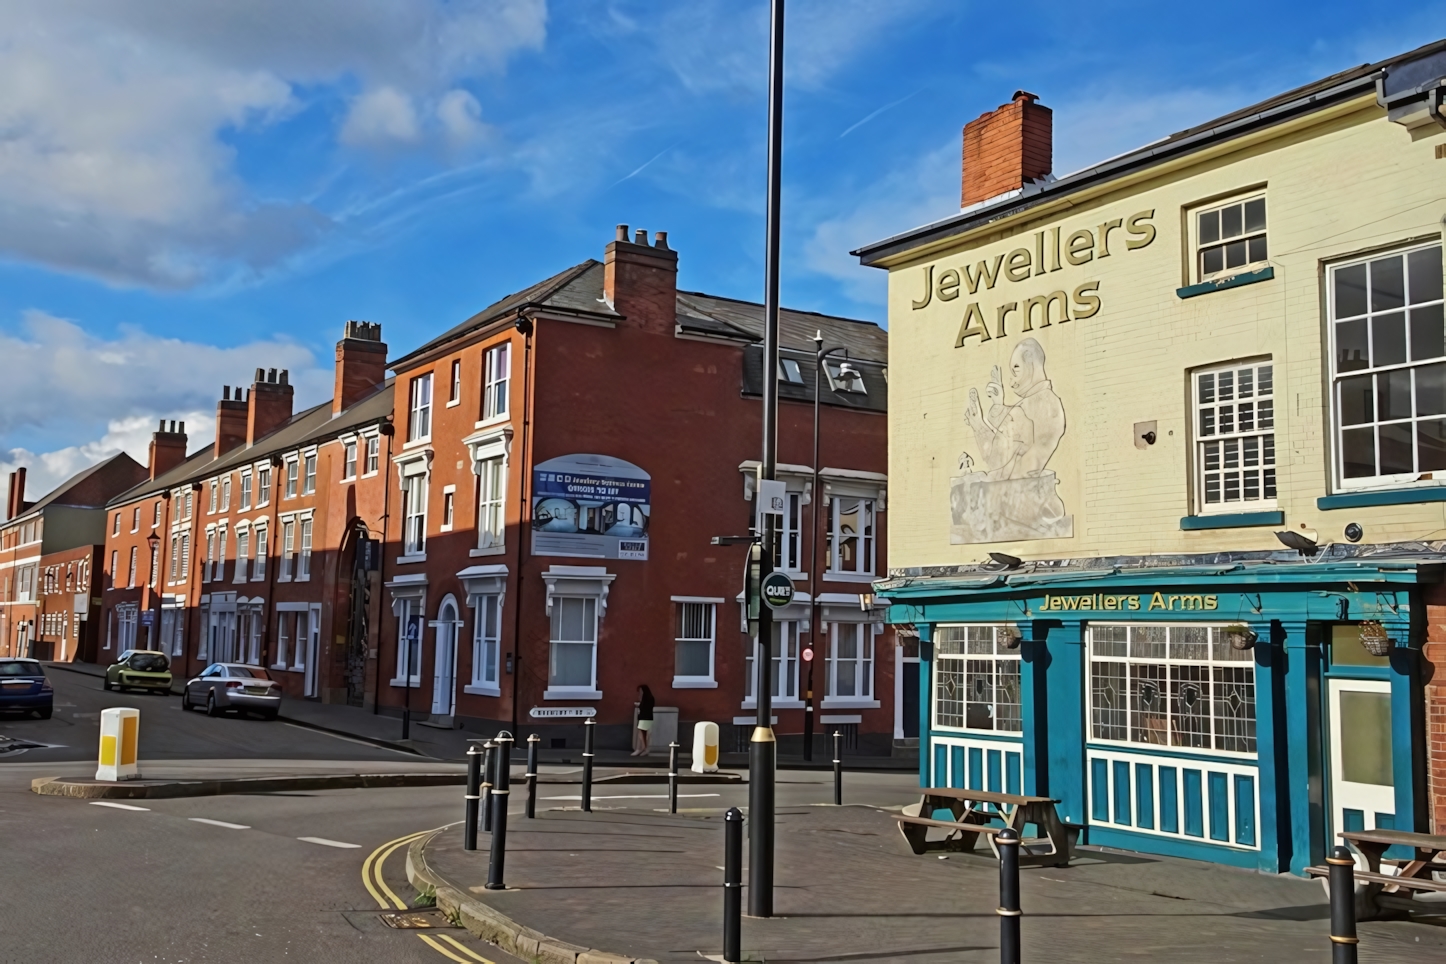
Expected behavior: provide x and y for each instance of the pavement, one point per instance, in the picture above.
(640, 884)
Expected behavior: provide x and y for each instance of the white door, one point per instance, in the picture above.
(310, 644)
(1363, 794)
(445, 663)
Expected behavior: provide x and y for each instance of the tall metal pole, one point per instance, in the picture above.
(763, 750)
(815, 503)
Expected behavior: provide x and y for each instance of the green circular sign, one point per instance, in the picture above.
(777, 590)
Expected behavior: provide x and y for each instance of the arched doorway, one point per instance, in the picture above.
(444, 666)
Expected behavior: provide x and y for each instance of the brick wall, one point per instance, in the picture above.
(1434, 674)
(1006, 149)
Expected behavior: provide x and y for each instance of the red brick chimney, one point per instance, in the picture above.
(268, 406)
(1006, 149)
(641, 280)
(231, 419)
(361, 364)
(168, 448)
(15, 498)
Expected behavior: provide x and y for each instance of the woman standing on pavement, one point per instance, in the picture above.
(645, 720)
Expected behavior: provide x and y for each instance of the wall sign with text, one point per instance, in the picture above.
(593, 506)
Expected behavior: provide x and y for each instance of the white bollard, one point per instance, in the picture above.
(705, 747)
(120, 731)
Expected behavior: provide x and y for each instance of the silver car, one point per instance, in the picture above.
(233, 686)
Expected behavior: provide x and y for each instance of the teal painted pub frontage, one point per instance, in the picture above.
(1226, 712)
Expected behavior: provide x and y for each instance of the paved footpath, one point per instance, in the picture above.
(644, 884)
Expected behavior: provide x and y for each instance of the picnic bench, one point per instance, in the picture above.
(983, 813)
(1385, 892)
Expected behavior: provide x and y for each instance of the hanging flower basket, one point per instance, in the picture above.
(1010, 638)
(1374, 639)
(1240, 637)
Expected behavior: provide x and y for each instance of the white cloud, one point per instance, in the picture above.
(461, 116)
(381, 117)
(924, 191)
(116, 161)
(64, 382)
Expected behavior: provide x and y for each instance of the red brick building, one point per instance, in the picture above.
(563, 459)
(49, 552)
(245, 551)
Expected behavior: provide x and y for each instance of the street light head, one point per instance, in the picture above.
(1006, 560)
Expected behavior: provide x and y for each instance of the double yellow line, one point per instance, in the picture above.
(387, 899)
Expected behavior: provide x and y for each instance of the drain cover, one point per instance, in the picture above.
(415, 920)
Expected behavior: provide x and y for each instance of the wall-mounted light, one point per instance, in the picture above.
(1354, 532)
(1006, 560)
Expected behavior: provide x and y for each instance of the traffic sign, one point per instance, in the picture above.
(777, 590)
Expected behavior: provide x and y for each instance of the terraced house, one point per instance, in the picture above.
(1168, 459)
(255, 549)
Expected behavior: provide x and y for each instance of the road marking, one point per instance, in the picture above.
(443, 951)
(464, 949)
(330, 843)
(641, 796)
(372, 868)
(117, 806)
(219, 823)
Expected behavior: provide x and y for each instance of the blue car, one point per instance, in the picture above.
(24, 688)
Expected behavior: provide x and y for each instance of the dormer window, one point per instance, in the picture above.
(788, 371)
(844, 377)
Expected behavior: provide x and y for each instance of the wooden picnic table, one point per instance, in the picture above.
(983, 813)
(1392, 892)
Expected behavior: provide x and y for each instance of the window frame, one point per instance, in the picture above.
(414, 515)
(1198, 274)
(1199, 440)
(348, 460)
(941, 669)
(263, 485)
(454, 385)
(557, 690)
(293, 476)
(868, 541)
(863, 663)
(496, 381)
(308, 472)
(680, 626)
(786, 656)
(1245, 661)
(373, 456)
(492, 502)
(486, 645)
(246, 490)
(1398, 480)
(419, 408)
(259, 532)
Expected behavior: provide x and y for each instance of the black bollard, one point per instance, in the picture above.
(1343, 906)
(474, 794)
(673, 777)
(837, 768)
(587, 728)
(501, 793)
(733, 885)
(487, 756)
(1007, 843)
(532, 742)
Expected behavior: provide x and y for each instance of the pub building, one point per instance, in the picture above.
(1167, 444)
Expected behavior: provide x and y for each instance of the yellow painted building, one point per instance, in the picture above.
(1197, 388)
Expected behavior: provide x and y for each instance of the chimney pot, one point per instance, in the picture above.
(163, 426)
(261, 374)
(284, 376)
(226, 392)
(271, 375)
(661, 239)
(622, 232)
(640, 237)
(173, 426)
(182, 428)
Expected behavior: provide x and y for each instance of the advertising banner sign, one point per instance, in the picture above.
(593, 506)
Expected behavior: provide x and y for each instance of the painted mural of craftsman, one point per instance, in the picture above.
(1015, 496)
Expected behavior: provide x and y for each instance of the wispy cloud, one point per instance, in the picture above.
(871, 115)
(643, 166)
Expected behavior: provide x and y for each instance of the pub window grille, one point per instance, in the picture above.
(976, 679)
(1178, 686)
(1235, 437)
(1388, 367)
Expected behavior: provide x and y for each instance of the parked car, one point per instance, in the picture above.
(23, 687)
(233, 686)
(143, 669)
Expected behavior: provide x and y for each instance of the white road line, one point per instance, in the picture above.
(641, 796)
(329, 843)
(219, 823)
(116, 806)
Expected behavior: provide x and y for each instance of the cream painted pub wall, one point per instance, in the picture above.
(1338, 184)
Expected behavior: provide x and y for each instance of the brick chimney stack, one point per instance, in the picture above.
(641, 280)
(231, 418)
(168, 448)
(1007, 149)
(361, 364)
(15, 497)
(268, 405)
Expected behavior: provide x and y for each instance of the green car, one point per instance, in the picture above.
(139, 669)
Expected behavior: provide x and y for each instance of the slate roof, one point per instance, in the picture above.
(308, 427)
(57, 495)
(1414, 67)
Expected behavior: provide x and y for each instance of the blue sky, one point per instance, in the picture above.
(188, 193)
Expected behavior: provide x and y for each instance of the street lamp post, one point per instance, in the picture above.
(153, 543)
(763, 749)
(819, 354)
